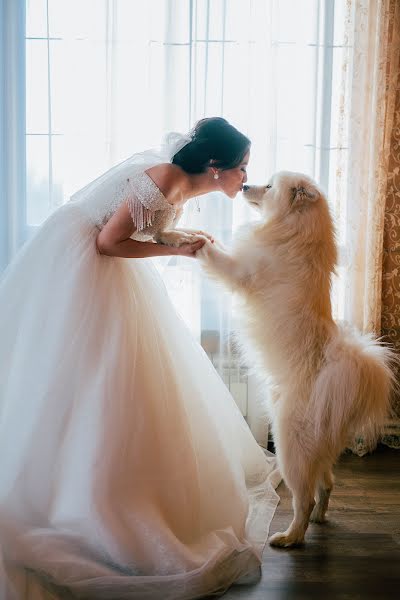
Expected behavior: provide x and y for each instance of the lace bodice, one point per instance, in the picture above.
(150, 211)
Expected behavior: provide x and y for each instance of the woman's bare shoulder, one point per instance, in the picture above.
(168, 178)
(168, 171)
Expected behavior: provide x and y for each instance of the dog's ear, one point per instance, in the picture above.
(302, 196)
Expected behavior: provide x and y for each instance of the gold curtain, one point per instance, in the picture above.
(366, 115)
(391, 240)
(368, 179)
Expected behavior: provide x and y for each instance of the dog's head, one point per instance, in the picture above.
(294, 208)
(285, 194)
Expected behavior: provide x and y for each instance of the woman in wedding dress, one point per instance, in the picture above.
(127, 471)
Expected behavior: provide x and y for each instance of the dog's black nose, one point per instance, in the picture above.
(246, 188)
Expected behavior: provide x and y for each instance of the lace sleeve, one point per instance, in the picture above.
(143, 198)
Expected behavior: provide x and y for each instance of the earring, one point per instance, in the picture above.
(216, 176)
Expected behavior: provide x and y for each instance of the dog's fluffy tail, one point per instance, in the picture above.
(353, 389)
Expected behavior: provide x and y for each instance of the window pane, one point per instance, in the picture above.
(37, 105)
(37, 181)
(79, 86)
(59, 171)
(216, 20)
(178, 16)
(297, 21)
(78, 19)
(36, 18)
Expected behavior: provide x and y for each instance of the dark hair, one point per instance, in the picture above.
(214, 141)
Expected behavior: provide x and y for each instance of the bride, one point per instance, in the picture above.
(127, 470)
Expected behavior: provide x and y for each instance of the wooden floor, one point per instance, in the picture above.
(355, 555)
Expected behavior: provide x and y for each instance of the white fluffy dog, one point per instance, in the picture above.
(325, 382)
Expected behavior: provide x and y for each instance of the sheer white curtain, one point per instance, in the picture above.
(106, 78)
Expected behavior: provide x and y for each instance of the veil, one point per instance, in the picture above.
(171, 143)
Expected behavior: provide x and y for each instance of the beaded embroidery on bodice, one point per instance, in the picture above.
(150, 211)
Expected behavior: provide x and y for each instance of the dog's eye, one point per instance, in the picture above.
(267, 187)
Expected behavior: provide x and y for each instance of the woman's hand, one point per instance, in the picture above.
(190, 249)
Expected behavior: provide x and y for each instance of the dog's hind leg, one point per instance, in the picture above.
(324, 489)
(303, 504)
(299, 474)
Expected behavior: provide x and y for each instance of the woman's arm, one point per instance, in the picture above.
(114, 240)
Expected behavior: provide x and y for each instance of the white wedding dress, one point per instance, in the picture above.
(126, 469)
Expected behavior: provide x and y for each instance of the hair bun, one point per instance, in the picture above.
(213, 139)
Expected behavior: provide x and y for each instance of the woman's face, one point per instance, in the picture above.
(231, 181)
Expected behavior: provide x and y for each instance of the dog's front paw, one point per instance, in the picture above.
(206, 251)
(177, 238)
(201, 233)
(285, 540)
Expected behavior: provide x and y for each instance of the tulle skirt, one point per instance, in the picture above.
(126, 470)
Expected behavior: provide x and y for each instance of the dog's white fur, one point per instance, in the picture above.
(326, 382)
